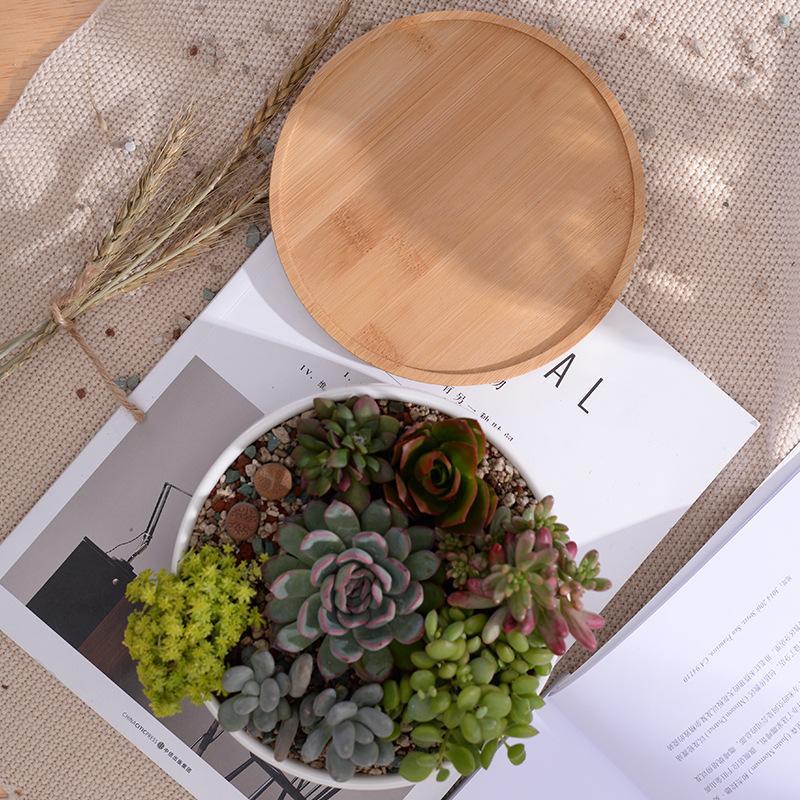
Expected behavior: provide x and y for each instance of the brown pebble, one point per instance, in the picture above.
(242, 521)
(110, 332)
(272, 481)
(246, 552)
(193, 50)
(81, 393)
(221, 504)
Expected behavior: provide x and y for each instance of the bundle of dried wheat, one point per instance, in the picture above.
(140, 248)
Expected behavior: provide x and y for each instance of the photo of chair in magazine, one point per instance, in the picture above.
(699, 696)
(604, 428)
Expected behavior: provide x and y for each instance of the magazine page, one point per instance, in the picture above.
(561, 761)
(605, 429)
(702, 700)
(771, 485)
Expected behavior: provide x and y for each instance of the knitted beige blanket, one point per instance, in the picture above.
(711, 88)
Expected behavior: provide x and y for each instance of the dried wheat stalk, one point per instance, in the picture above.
(133, 254)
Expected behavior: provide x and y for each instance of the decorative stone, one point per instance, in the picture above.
(253, 237)
(272, 481)
(242, 521)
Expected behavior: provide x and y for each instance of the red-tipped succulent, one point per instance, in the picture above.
(435, 465)
(533, 581)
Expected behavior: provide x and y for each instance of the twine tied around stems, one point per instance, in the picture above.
(68, 326)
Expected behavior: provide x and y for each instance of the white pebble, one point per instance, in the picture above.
(129, 146)
(282, 435)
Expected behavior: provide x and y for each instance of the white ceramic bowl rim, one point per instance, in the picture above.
(209, 481)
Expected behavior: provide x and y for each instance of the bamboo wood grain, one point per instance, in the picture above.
(457, 197)
(29, 31)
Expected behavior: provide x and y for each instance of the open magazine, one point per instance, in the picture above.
(699, 696)
(622, 430)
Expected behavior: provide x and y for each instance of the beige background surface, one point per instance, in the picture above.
(29, 31)
(711, 88)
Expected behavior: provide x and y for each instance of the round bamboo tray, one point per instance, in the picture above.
(457, 197)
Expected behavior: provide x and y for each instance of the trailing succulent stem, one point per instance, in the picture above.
(354, 582)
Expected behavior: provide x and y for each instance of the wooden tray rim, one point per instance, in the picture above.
(527, 362)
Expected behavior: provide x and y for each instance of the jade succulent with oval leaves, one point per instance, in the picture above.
(353, 582)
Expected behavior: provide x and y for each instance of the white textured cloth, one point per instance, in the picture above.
(711, 89)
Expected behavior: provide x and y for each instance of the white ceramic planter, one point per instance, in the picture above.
(209, 481)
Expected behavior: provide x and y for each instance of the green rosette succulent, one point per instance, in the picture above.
(435, 465)
(339, 446)
(355, 582)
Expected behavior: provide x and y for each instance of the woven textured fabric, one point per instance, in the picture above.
(712, 92)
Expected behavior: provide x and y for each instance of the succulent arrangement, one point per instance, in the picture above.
(398, 619)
